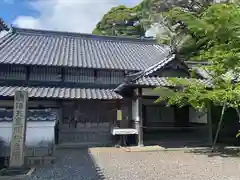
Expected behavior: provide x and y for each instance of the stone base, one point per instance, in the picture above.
(40, 161)
(142, 149)
(15, 173)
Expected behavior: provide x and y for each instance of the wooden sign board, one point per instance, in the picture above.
(119, 115)
(18, 129)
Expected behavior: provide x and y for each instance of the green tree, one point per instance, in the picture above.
(3, 26)
(238, 134)
(214, 33)
(133, 22)
(120, 21)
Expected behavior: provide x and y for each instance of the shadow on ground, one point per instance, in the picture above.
(70, 165)
(219, 151)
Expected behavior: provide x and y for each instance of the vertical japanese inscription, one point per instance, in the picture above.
(18, 129)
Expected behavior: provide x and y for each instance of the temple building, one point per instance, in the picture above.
(96, 87)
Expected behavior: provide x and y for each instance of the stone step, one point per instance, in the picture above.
(82, 145)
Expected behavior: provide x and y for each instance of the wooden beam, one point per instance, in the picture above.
(139, 121)
(209, 120)
(63, 74)
(27, 73)
(118, 104)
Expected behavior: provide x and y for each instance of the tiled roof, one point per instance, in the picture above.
(161, 64)
(163, 81)
(146, 78)
(196, 63)
(206, 74)
(147, 81)
(61, 93)
(32, 115)
(39, 47)
(197, 66)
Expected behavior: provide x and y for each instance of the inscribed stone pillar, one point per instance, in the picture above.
(18, 129)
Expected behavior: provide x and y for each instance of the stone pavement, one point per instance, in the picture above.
(115, 164)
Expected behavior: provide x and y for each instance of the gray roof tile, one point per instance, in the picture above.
(39, 47)
(163, 81)
(206, 74)
(33, 115)
(61, 93)
(155, 67)
(159, 65)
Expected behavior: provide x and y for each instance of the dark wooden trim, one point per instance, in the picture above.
(171, 65)
(32, 108)
(144, 115)
(95, 75)
(55, 84)
(140, 125)
(55, 99)
(150, 97)
(118, 104)
(178, 68)
(209, 121)
(35, 65)
(63, 74)
(62, 79)
(27, 73)
(140, 92)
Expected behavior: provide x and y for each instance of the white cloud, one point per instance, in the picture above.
(69, 15)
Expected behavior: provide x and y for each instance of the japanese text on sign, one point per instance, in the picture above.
(18, 129)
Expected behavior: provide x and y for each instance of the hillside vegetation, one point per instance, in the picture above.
(133, 22)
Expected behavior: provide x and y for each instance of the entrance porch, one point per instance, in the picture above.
(158, 124)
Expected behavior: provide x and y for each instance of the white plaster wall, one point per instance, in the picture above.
(149, 92)
(174, 73)
(36, 132)
(197, 117)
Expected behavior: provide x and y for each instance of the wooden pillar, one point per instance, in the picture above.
(209, 121)
(60, 113)
(137, 115)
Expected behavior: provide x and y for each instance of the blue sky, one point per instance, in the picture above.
(10, 10)
(63, 15)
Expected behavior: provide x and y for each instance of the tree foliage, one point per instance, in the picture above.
(133, 22)
(121, 21)
(213, 36)
(238, 135)
(3, 26)
(218, 29)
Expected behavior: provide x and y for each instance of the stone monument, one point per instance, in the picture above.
(18, 130)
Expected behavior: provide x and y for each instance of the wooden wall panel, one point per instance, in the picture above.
(45, 74)
(117, 77)
(79, 75)
(11, 72)
(91, 111)
(87, 122)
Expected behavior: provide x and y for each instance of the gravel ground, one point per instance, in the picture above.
(114, 164)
